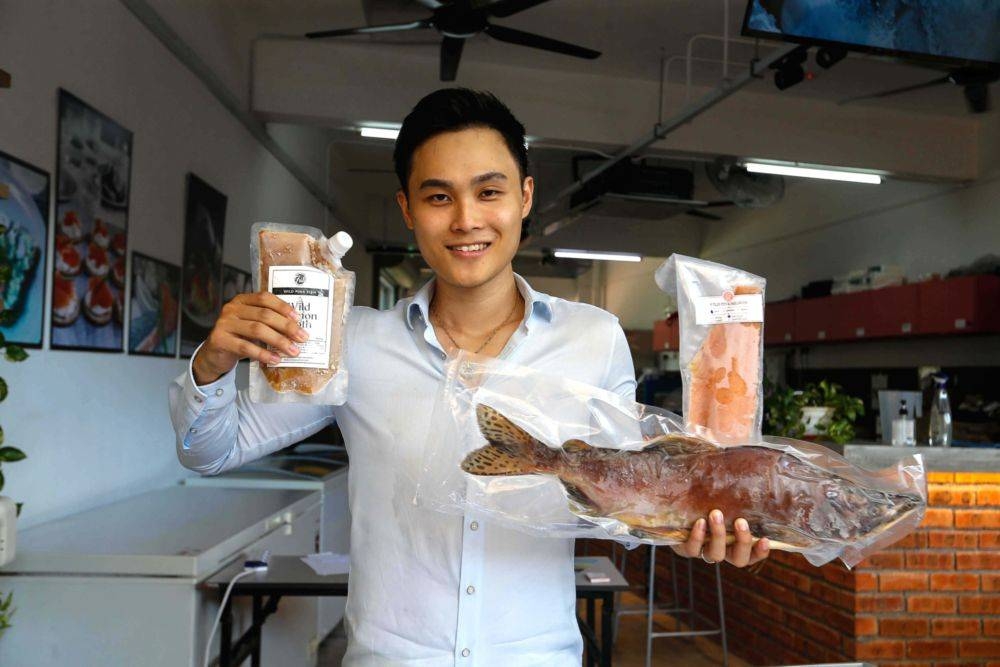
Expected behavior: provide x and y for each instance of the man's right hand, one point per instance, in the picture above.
(246, 325)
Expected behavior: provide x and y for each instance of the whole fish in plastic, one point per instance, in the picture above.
(661, 490)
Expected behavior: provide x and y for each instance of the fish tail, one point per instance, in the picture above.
(511, 450)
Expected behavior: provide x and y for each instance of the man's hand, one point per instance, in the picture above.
(245, 326)
(743, 551)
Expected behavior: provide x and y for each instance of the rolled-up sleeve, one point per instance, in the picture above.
(218, 428)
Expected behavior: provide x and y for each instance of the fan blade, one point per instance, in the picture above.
(505, 8)
(897, 91)
(451, 53)
(370, 29)
(534, 41)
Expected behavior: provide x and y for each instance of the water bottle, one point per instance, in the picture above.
(903, 427)
(939, 432)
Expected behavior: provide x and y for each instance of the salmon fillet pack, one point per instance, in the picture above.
(302, 267)
(550, 456)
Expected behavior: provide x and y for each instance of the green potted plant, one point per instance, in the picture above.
(820, 411)
(8, 455)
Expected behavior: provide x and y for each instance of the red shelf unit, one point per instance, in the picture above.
(965, 304)
(666, 334)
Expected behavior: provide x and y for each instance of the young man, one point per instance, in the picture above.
(430, 589)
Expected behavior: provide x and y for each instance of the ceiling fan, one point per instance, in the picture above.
(974, 82)
(458, 20)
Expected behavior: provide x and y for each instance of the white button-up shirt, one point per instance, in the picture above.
(426, 589)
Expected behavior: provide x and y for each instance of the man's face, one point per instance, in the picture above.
(465, 205)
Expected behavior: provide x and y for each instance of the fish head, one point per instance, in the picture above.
(870, 510)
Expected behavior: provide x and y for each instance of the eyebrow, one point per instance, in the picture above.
(481, 178)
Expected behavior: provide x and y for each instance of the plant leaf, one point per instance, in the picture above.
(11, 454)
(15, 353)
(3, 390)
(1, 480)
(3, 339)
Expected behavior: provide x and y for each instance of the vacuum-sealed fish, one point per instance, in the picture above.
(550, 456)
(302, 267)
(721, 312)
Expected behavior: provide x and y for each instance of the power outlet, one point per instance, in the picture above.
(8, 529)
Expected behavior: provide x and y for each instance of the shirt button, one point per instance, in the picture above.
(470, 590)
(466, 652)
(218, 392)
(199, 399)
(194, 430)
(474, 525)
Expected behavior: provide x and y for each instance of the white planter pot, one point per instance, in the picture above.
(813, 417)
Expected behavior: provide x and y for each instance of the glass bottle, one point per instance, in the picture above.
(939, 431)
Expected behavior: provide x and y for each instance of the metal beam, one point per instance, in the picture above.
(661, 130)
(184, 53)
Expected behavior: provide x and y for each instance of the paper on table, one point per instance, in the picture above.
(328, 563)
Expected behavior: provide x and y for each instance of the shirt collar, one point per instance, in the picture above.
(541, 304)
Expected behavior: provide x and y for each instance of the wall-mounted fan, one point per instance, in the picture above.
(743, 188)
(460, 19)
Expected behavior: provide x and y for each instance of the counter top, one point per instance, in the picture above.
(936, 459)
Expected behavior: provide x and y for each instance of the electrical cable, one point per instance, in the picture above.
(249, 567)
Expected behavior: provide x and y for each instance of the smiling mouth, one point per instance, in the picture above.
(470, 247)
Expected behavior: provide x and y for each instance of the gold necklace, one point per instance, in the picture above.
(488, 338)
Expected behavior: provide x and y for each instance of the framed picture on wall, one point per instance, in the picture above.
(234, 281)
(201, 285)
(153, 307)
(92, 196)
(24, 225)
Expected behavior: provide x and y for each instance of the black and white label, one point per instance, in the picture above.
(728, 307)
(310, 291)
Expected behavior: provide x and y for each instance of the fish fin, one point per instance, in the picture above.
(575, 446)
(504, 434)
(494, 461)
(672, 535)
(677, 444)
(579, 500)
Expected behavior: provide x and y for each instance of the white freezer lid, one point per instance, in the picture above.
(178, 531)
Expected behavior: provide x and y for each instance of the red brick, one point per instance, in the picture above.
(837, 574)
(990, 540)
(991, 627)
(864, 581)
(930, 648)
(930, 561)
(952, 539)
(864, 603)
(902, 627)
(865, 625)
(885, 560)
(990, 581)
(979, 604)
(911, 541)
(977, 518)
(880, 649)
(979, 648)
(978, 561)
(941, 581)
(988, 496)
(938, 518)
(902, 581)
(977, 477)
(931, 604)
(952, 495)
(940, 477)
(955, 627)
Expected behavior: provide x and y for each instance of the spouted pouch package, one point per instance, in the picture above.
(721, 311)
(553, 457)
(299, 265)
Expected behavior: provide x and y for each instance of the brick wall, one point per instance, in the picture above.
(932, 599)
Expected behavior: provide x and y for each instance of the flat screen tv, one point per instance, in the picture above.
(957, 33)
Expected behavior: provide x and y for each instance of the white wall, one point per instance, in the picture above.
(95, 426)
(632, 294)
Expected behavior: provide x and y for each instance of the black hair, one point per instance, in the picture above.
(450, 110)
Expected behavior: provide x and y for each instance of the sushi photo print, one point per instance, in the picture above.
(153, 307)
(201, 286)
(92, 196)
(24, 224)
(235, 281)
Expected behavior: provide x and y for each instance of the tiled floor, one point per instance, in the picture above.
(630, 648)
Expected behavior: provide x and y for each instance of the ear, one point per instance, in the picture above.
(404, 208)
(527, 196)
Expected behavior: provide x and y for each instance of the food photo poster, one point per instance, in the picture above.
(201, 286)
(91, 232)
(153, 308)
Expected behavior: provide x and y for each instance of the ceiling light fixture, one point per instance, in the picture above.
(812, 172)
(379, 132)
(590, 254)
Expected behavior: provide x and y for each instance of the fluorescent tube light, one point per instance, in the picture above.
(379, 132)
(587, 254)
(810, 172)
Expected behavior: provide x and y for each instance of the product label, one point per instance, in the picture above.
(728, 307)
(310, 291)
